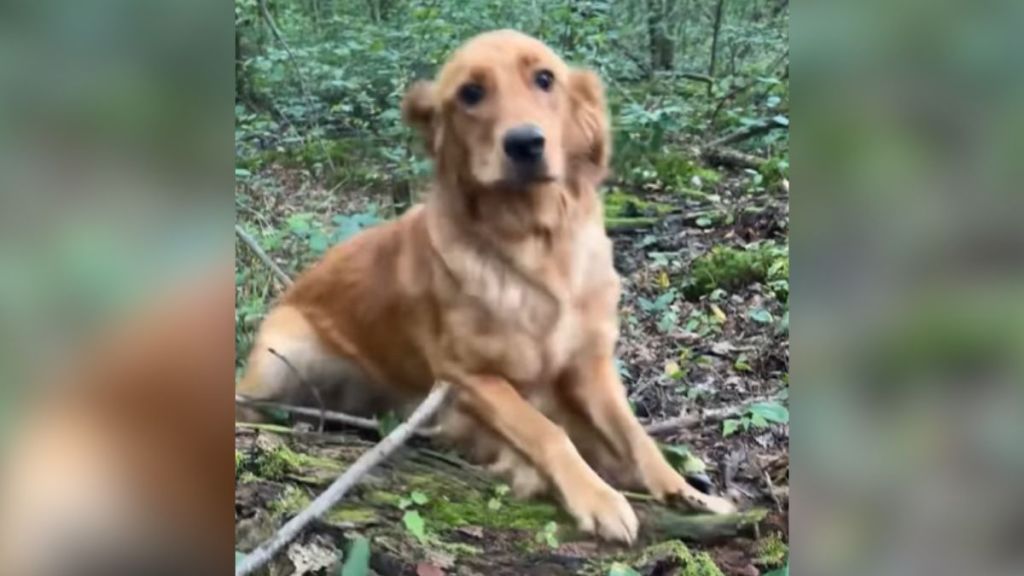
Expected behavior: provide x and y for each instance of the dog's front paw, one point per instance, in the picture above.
(603, 511)
(669, 486)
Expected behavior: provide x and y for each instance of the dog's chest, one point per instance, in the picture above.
(529, 329)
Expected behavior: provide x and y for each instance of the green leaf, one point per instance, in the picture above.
(760, 315)
(758, 421)
(419, 498)
(494, 504)
(415, 525)
(730, 426)
(299, 224)
(239, 557)
(770, 411)
(619, 569)
(387, 423)
(318, 242)
(357, 561)
(784, 571)
(780, 119)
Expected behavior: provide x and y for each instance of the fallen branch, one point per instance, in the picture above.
(704, 528)
(731, 158)
(327, 415)
(747, 133)
(686, 421)
(258, 251)
(336, 491)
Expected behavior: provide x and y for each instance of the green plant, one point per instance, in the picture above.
(548, 535)
(757, 415)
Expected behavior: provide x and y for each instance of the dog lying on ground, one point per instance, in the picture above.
(501, 283)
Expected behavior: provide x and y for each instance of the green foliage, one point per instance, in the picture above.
(757, 415)
(772, 551)
(415, 525)
(329, 102)
(618, 569)
(548, 535)
(682, 459)
(729, 269)
(357, 560)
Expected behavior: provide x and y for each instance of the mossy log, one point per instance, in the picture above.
(470, 522)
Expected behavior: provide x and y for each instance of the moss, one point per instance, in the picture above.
(382, 498)
(771, 551)
(351, 515)
(532, 516)
(619, 204)
(729, 269)
(274, 463)
(623, 223)
(291, 501)
(674, 551)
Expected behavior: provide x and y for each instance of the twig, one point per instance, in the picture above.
(328, 416)
(316, 393)
(685, 421)
(251, 243)
(336, 491)
(771, 490)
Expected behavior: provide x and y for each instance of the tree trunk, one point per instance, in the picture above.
(714, 39)
(661, 48)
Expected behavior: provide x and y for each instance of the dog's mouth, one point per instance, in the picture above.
(518, 177)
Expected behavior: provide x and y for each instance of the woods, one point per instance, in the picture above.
(698, 210)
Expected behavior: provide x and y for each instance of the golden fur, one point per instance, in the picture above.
(501, 284)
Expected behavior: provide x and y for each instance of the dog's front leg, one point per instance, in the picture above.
(596, 506)
(593, 386)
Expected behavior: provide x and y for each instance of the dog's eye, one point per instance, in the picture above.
(544, 79)
(471, 94)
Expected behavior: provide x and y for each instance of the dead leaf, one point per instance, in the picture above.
(472, 531)
(719, 315)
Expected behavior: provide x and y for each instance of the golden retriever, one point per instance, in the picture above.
(501, 283)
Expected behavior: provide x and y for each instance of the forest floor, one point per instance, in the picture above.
(704, 334)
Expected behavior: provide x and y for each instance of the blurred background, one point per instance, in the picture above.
(116, 158)
(908, 300)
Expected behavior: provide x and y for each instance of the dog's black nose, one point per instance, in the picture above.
(524, 143)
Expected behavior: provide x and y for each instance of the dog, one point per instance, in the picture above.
(500, 283)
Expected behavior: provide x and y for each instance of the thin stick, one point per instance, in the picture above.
(685, 421)
(328, 416)
(316, 393)
(251, 243)
(336, 491)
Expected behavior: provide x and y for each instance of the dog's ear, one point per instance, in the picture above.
(590, 142)
(418, 111)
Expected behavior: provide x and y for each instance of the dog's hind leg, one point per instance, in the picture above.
(290, 363)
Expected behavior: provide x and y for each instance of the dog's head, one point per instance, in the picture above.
(506, 113)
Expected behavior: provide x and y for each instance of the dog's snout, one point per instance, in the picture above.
(524, 143)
